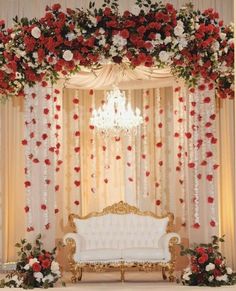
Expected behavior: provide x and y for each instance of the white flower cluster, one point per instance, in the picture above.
(119, 41)
(187, 273)
(210, 267)
(222, 278)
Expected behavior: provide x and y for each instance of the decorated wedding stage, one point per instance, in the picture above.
(172, 154)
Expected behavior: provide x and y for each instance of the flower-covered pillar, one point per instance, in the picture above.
(42, 163)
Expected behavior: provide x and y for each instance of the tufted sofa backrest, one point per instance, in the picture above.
(120, 231)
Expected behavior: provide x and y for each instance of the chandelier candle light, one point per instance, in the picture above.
(116, 116)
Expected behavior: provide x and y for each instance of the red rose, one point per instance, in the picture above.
(43, 206)
(46, 264)
(203, 259)
(212, 223)
(194, 269)
(24, 142)
(36, 267)
(56, 7)
(217, 272)
(218, 261)
(200, 250)
(26, 209)
(196, 225)
(107, 11)
(27, 184)
(124, 33)
(210, 199)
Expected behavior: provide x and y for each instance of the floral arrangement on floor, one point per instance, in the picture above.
(207, 266)
(196, 45)
(36, 267)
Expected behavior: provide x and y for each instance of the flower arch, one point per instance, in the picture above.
(195, 45)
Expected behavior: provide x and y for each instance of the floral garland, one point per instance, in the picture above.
(193, 44)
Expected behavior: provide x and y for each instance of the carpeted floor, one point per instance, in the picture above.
(140, 281)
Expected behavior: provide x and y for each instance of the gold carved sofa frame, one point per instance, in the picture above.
(122, 208)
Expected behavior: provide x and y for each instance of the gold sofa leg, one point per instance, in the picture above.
(164, 273)
(80, 273)
(76, 273)
(122, 274)
(171, 269)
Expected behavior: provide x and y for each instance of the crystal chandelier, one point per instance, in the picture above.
(115, 116)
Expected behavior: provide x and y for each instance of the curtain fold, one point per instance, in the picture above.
(12, 177)
(227, 198)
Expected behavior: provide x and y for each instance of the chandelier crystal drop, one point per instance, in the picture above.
(116, 115)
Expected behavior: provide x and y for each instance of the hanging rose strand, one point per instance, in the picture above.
(158, 151)
(180, 117)
(94, 160)
(28, 117)
(76, 154)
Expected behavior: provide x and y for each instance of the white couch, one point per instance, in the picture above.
(122, 236)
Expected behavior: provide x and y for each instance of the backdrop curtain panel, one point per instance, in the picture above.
(94, 193)
(227, 197)
(11, 8)
(12, 177)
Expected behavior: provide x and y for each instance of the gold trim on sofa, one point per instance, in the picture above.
(121, 208)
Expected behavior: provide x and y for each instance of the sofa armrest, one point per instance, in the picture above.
(165, 240)
(73, 238)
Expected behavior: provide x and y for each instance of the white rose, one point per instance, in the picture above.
(70, 36)
(216, 46)
(26, 267)
(163, 56)
(36, 32)
(167, 40)
(38, 276)
(158, 36)
(48, 278)
(32, 261)
(179, 29)
(55, 267)
(222, 278)
(186, 276)
(101, 31)
(222, 35)
(67, 55)
(183, 42)
(210, 267)
(211, 278)
(229, 270)
(35, 55)
(119, 41)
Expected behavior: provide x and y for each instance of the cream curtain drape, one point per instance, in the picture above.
(36, 8)
(227, 198)
(12, 177)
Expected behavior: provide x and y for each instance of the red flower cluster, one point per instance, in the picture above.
(207, 265)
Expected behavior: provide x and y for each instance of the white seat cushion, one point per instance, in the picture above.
(143, 254)
(100, 255)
